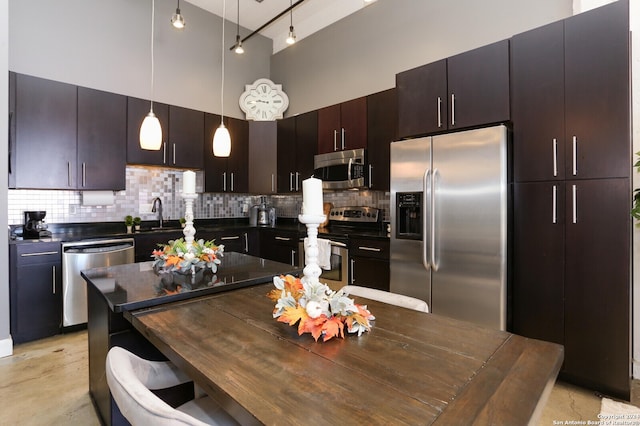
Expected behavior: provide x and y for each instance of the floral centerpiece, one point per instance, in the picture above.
(317, 309)
(177, 256)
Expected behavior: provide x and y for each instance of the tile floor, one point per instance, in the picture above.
(46, 383)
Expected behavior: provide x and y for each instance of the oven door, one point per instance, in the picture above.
(338, 275)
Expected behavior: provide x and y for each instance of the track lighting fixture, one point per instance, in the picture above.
(238, 46)
(291, 38)
(177, 20)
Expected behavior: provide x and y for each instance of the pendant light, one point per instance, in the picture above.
(177, 20)
(222, 138)
(150, 130)
(292, 35)
(239, 49)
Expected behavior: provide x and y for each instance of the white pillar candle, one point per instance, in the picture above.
(189, 182)
(312, 197)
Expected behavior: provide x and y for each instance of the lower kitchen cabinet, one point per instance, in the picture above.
(280, 246)
(571, 276)
(35, 287)
(233, 240)
(146, 243)
(369, 263)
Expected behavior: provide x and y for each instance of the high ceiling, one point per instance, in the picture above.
(309, 17)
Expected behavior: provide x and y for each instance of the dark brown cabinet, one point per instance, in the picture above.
(465, 90)
(102, 132)
(381, 131)
(42, 128)
(570, 91)
(297, 145)
(137, 110)
(186, 138)
(343, 126)
(280, 246)
(35, 290)
(572, 226)
(228, 174)
(236, 240)
(369, 263)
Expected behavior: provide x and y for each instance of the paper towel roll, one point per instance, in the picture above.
(97, 198)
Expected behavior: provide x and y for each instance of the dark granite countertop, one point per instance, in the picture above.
(137, 285)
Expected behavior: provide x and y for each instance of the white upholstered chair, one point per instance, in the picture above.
(130, 379)
(387, 297)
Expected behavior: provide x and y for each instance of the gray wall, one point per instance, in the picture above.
(361, 54)
(106, 45)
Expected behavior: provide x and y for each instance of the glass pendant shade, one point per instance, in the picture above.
(292, 36)
(151, 133)
(177, 20)
(221, 142)
(239, 49)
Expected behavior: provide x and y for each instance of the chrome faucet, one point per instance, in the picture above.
(157, 207)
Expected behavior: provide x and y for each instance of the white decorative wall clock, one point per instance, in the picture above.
(263, 100)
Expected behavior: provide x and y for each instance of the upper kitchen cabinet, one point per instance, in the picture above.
(43, 119)
(381, 131)
(343, 126)
(469, 89)
(137, 110)
(570, 90)
(263, 157)
(226, 174)
(297, 144)
(102, 132)
(186, 136)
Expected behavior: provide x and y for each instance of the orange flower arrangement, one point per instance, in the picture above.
(317, 309)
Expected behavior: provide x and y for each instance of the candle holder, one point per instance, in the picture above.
(311, 271)
(189, 231)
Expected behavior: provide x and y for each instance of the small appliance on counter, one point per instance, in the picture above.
(262, 214)
(34, 226)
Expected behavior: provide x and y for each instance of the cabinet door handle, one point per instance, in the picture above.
(293, 258)
(376, 249)
(232, 185)
(370, 175)
(53, 279)
(273, 183)
(282, 238)
(69, 173)
(342, 136)
(40, 253)
(575, 203)
(291, 182)
(353, 278)
(297, 181)
(575, 155)
(174, 153)
(453, 109)
(233, 237)
(246, 242)
(439, 112)
(554, 207)
(224, 181)
(335, 140)
(555, 157)
(164, 153)
(84, 174)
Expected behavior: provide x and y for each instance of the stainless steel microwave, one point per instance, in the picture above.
(341, 169)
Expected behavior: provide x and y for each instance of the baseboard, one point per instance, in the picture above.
(6, 347)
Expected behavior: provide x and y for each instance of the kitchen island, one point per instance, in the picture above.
(410, 368)
(114, 290)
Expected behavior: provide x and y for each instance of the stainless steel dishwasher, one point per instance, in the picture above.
(79, 256)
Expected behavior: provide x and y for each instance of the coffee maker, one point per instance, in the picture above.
(262, 214)
(34, 226)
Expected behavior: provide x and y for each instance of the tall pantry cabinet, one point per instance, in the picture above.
(572, 164)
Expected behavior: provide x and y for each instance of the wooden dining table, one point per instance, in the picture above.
(410, 368)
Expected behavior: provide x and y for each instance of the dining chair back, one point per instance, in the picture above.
(131, 380)
(387, 297)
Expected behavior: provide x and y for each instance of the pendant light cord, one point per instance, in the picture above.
(153, 14)
(224, 11)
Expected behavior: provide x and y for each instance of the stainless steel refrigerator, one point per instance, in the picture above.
(449, 218)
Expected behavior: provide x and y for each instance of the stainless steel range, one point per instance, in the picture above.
(344, 221)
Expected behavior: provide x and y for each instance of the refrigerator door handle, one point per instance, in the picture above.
(434, 261)
(426, 223)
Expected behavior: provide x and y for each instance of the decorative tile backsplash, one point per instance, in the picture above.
(143, 184)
